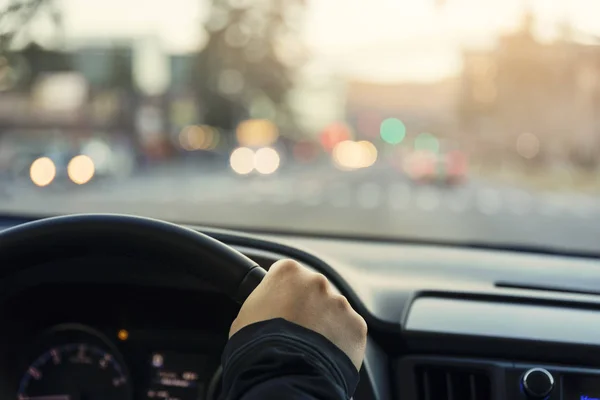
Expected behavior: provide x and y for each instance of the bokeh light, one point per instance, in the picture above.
(351, 155)
(369, 153)
(123, 334)
(427, 142)
(420, 165)
(192, 138)
(457, 164)
(528, 145)
(334, 134)
(266, 160)
(346, 155)
(256, 133)
(242, 160)
(81, 169)
(42, 171)
(195, 137)
(216, 137)
(392, 131)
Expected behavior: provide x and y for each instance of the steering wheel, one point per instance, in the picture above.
(201, 256)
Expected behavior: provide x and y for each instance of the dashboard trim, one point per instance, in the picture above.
(504, 320)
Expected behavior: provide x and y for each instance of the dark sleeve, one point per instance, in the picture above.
(277, 359)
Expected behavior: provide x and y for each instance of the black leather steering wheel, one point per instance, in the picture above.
(51, 239)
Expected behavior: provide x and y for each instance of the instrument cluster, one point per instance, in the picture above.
(136, 344)
(73, 362)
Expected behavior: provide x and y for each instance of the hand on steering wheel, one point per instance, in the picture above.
(306, 298)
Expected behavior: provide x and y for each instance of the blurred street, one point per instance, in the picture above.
(322, 199)
(457, 123)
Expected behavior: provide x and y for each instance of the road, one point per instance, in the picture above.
(367, 202)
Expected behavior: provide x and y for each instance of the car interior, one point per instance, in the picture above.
(151, 302)
(436, 160)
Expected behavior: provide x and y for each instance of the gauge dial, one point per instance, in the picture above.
(79, 370)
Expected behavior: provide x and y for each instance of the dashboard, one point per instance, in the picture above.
(139, 342)
(445, 323)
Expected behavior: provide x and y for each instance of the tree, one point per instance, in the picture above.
(251, 56)
(14, 21)
(16, 16)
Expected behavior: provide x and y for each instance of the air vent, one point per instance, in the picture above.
(446, 383)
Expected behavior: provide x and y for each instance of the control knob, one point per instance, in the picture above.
(537, 383)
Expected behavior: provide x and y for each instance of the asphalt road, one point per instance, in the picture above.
(368, 202)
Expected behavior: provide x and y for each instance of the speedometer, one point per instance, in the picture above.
(77, 370)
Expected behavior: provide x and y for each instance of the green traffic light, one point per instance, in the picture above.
(392, 130)
(427, 142)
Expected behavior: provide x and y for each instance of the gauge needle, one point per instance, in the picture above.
(53, 397)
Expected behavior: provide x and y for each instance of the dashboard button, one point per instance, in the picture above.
(537, 383)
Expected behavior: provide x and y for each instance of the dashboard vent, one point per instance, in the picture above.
(441, 383)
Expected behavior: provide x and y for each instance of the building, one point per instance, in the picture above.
(87, 89)
(423, 107)
(550, 90)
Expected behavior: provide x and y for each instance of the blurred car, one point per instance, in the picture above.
(248, 161)
(59, 161)
(428, 167)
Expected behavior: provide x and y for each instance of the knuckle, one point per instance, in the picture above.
(286, 266)
(341, 302)
(320, 282)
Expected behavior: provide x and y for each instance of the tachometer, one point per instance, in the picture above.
(77, 370)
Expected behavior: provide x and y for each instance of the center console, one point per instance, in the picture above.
(552, 383)
(440, 378)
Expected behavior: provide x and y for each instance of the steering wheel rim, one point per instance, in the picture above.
(47, 240)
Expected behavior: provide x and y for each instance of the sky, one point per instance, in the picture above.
(379, 40)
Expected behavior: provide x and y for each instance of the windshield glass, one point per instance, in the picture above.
(465, 121)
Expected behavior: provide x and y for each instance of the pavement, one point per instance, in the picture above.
(371, 202)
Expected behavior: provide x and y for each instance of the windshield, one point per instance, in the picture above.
(462, 121)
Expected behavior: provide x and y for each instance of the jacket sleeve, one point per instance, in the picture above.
(277, 359)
